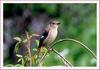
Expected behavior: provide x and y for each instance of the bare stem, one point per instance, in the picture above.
(33, 35)
(84, 46)
(66, 62)
(28, 46)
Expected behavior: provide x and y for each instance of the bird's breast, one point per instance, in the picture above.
(51, 36)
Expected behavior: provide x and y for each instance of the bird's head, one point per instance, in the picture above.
(54, 23)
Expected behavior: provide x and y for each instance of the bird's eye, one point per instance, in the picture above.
(53, 23)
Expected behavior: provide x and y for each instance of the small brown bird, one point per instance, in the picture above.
(49, 34)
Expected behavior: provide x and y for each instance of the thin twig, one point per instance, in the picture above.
(30, 37)
(28, 46)
(67, 62)
(84, 46)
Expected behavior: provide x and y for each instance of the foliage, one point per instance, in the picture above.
(38, 59)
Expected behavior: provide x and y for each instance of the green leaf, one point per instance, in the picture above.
(9, 65)
(19, 65)
(43, 50)
(18, 55)
(34, 49)
(37, 42)
(33, 60)
(18, 39)
(19, 60)
(17, 47)
(25, 40)
(35, 56)
(27, 58)
(23, 61)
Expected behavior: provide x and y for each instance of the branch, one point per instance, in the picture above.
(28, 46)
(33, 35)
(84, 46)
(66, 62)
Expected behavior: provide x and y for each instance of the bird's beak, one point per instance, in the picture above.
(58, 23)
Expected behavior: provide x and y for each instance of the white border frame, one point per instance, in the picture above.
(1, 38)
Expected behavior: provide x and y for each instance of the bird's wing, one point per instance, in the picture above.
(43, 37)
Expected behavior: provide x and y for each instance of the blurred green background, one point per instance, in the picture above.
(78, 21)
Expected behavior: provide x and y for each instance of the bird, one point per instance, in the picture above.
(49, 34)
